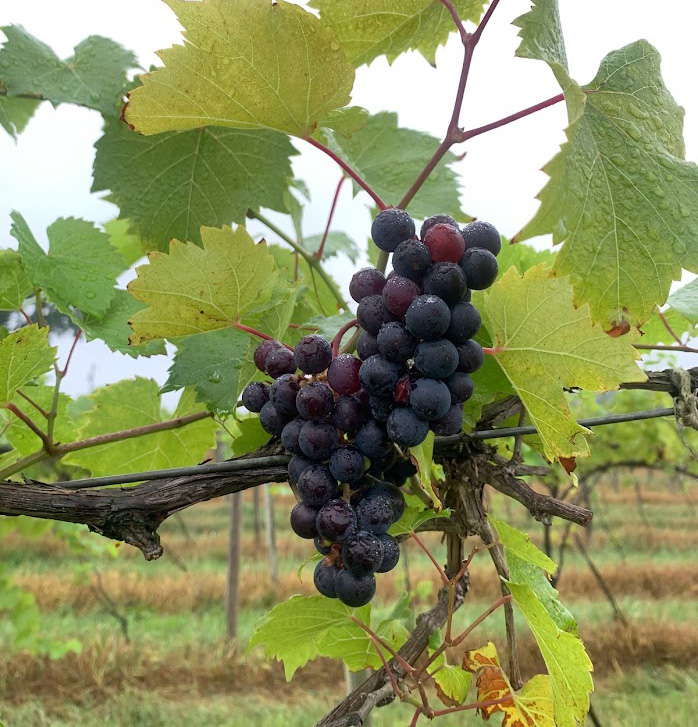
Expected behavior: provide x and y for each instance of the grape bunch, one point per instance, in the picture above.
(342, 416)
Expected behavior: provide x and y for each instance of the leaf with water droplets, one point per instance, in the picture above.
(15, 286)
(15, 114)
(24, 355)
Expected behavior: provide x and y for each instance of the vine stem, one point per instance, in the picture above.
(663, 319)
(405, 665)
(661, 347)
(40, 409)
(337, 340)
(39, 309)
(255, 332)
(26, 317)
(321, 249)
(30, 423)
(60, 375)
(474, 705)
(419, 542)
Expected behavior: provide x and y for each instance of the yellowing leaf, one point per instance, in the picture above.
(24, 355)
(452, 684)
(545, 344)
(195, 289)
(246, 64)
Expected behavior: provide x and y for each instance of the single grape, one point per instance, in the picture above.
(436, 220)
(372, 314)
(296, 467)
(428, 317)
(325, 579)
(460, 386)
(445, 280)
(313, 354)
(323, 546)
(465, 322)
(279, 362)
(283, 394)
(391, 493)
(262, 351)
(391, 553)
(315, 401)
(362, 553)
(289, 435)
(255, 396)
(445, 243)
(482, 234)
(365, 282)
(354, 590)
(412, 259)
(372, 440)
(381, 407)
(317, 440)
(343, 374)
(430, 399)
(436, 359)
(366, 345)
(400, 471)
(480, 267)
(347, 464)
(470, 357)
(398, 294)
(336, 520)
(396, 343)
(349, 414)
(374, 514)
(316, 486)
(391, 227)
(379, 376)
(450, 423)
(272, 421)
(303, 520)
(378, 466)
(406, 428)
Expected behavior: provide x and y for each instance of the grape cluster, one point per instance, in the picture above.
(342, 416)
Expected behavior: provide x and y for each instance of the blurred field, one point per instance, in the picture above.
(176, 669)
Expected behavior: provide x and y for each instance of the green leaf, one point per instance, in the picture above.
(134, 403)
(80, 268)
(347, 641)
(181, 180)
(546, 345)
(454, 682)
(346, 121)
(337, 242)
(24, 355)
(249, 435)
(413, 518)
(329, 327)
(522, 257)
(94, 76)
(654, 330)
(15, 286)
(371, 28)
(15, 114)
(567, 662)
(195, 289)
(390, 158)
(125, 240)
(246, 64)
(685, 301)
(518, 543)
(423, 458)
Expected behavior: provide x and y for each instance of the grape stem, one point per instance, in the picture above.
(255, 332)
(40, 409)
(25, 316)
(30, 423)
(321, 249)
(664, 320)
(337, 340)
(661, 347)
(493, 351)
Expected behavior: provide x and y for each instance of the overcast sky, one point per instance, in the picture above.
(47, 173)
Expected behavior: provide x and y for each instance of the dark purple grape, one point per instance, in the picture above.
(325, 579)
(445, 243)
(317, 440)
(336, 520)
(430, 399)
(362, 553)
(372, 314)
(372, 440)
(451, 423)
(470, 357)
(428, 317)
(461, 387)
(374, 514)
(480, 267)
(349, 414)
(272, 421)
(343, 374)
(406, 428)
(262, 351)
(398, 294)
(379, 376)
(283, 394)
(390, 228)
(378, 466)
(468, 296)
(279, 362)
(303, 520)
(381, 407)
(411, 260)
(436, 359)
(482, 234)
(465, 322)
(313, 354)
(446, 281)
(400, 471)
(289, 435)
(323, 546)
(391, 493)
(391, 553)
(296, 467)
(354, 590)
(366, 345)
(255, 396)
(365, 282)
(436, 220)
(347, 464)
(316, 486)
(396, 343)
(315, 401)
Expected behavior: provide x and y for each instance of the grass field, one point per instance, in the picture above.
(176, 670)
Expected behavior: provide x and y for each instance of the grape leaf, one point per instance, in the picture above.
(24, 355)
(566, 659)
(454, 683)
(94, 76)
(371, 28)
(125, 240)
(346, 121)
(212, 176)
(329, 327)
(15, 286)
(519, 543)
(245, 64)
(15, 113)
(194, 289)
(522, 257)
(134, 403)
(413, 518)
(422, 457)
(685, 301)
(532, 706)
(654, 330)
(248, 435)
(337, 242)
(80, 268)
(544, 344)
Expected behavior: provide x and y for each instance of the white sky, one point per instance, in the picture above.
(47, 173)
